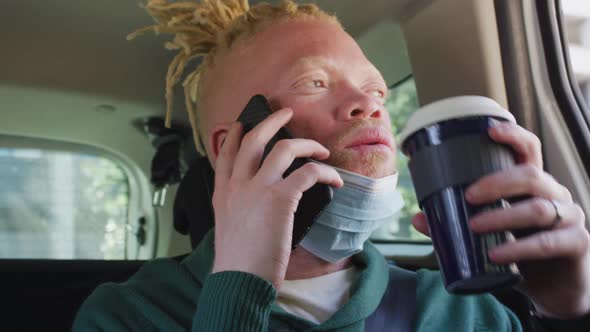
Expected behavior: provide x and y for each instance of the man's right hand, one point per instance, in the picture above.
(254, 206)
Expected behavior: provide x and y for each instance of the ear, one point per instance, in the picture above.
(216, 139)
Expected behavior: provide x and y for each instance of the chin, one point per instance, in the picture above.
(372, 171)
(371, 165)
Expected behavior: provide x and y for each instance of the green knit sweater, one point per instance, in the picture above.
(166, 295)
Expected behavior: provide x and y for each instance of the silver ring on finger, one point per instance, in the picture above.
(558, 216)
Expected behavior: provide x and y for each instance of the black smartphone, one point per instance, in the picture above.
(313, 200)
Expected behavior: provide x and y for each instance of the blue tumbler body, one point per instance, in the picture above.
(461, 253)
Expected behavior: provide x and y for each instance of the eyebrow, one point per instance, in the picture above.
(320, 61)
(312, 61)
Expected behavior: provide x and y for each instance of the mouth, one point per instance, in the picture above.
(371, 138)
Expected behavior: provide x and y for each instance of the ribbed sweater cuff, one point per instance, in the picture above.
(234, 301)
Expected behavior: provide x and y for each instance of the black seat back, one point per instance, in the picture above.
(44, 295)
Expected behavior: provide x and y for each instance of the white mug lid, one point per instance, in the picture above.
(453, 108)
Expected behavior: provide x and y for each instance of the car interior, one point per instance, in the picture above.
(70, 82)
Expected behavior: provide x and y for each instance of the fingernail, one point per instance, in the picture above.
(491, 255)
(471, 194)
(495, 122)
(499, 127)
(494, 254)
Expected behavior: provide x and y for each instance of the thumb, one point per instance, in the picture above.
(419, 223)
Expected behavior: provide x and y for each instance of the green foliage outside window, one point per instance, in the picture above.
(61, 205)
(108, 187)
(400, 105)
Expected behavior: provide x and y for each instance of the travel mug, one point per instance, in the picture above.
(448, 147)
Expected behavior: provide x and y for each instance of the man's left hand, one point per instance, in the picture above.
(555, 260)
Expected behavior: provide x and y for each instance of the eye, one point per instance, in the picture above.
(378, 94)
(316, 84)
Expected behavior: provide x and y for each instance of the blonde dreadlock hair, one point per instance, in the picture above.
(203, 30)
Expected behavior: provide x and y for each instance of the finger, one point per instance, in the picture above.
(309, 174)
(253, 143)
(525, 179)
(419, 223)
(531, 213)
(557, 243)
(526, 144)
(284, 153)
(229, 149)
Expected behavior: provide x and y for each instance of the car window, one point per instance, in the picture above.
(577, 26)
(403, 101)
(385, 46)
(62, 205)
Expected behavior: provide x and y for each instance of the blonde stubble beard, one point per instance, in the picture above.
(371, 164)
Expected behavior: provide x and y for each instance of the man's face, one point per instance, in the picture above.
(319, 71)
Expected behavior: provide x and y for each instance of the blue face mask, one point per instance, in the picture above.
(357, 209)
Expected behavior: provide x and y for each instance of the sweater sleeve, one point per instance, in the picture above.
(227, 301)
(108, 309)
(234, 301)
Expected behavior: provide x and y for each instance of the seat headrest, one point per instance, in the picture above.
(193, 209)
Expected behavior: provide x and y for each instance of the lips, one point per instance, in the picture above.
(370, 136)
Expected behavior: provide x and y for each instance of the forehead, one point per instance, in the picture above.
(287, 43)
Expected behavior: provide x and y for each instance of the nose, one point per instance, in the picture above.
(359, 104)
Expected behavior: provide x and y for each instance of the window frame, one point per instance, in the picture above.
(567, 93)
(401, 241)
(137, 182)
(541, 92)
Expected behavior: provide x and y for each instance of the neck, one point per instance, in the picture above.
(304, 265)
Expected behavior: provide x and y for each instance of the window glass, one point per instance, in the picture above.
(403, 101)
(577, 25)
(61, 205)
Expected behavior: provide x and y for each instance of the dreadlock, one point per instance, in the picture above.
(204, 29)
